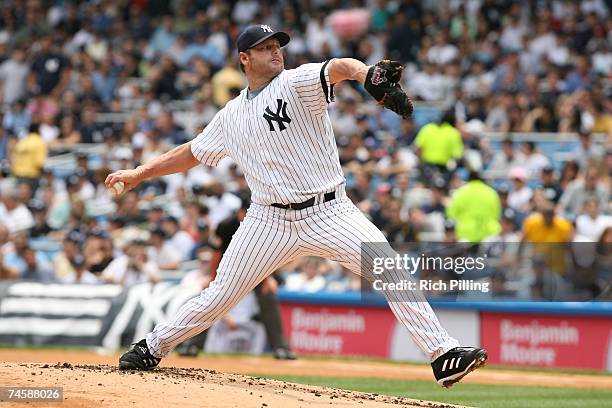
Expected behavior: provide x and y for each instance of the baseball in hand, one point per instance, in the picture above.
(117, 188)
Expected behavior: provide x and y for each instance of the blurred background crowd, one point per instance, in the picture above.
(511, 139)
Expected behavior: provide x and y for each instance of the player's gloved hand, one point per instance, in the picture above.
(381, 83)
(392, 69)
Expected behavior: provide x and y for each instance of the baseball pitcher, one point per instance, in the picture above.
(279, 131)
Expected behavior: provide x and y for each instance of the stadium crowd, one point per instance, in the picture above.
(90, 87)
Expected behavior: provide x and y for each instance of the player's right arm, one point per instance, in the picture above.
(207, 148)
(177, 160)
(214, 263)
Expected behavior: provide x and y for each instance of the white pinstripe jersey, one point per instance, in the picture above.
(282, 139)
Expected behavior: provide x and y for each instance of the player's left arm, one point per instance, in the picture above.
(341, 69)
(314, 82)
(380, 80)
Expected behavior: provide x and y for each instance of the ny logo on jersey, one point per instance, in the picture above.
(279, 117)
(266, 28)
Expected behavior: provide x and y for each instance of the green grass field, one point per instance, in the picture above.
(353, 359)
(476, 395)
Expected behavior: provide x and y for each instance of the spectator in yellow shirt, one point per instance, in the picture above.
(439, 148)
(550, 234)
(476, 210)
(224, 80)
(29, 156)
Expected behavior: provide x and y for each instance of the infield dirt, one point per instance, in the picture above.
(88, 386)
(91, 380)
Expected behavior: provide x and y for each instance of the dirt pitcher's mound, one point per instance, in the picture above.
(88, 386)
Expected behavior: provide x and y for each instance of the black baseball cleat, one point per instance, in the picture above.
(456, 363)
(138, 357)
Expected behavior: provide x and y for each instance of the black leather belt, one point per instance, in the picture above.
(308, 203)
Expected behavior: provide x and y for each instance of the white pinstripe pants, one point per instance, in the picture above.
(270, 237)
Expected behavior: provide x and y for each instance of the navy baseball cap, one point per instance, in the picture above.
(256, 34)
(509, 214)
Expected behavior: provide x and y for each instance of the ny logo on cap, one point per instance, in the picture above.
(266, 28)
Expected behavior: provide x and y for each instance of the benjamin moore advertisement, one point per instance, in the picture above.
(548, 341)
(113, 316)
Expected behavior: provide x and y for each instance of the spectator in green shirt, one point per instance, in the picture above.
(439, 148)
(476, 210)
